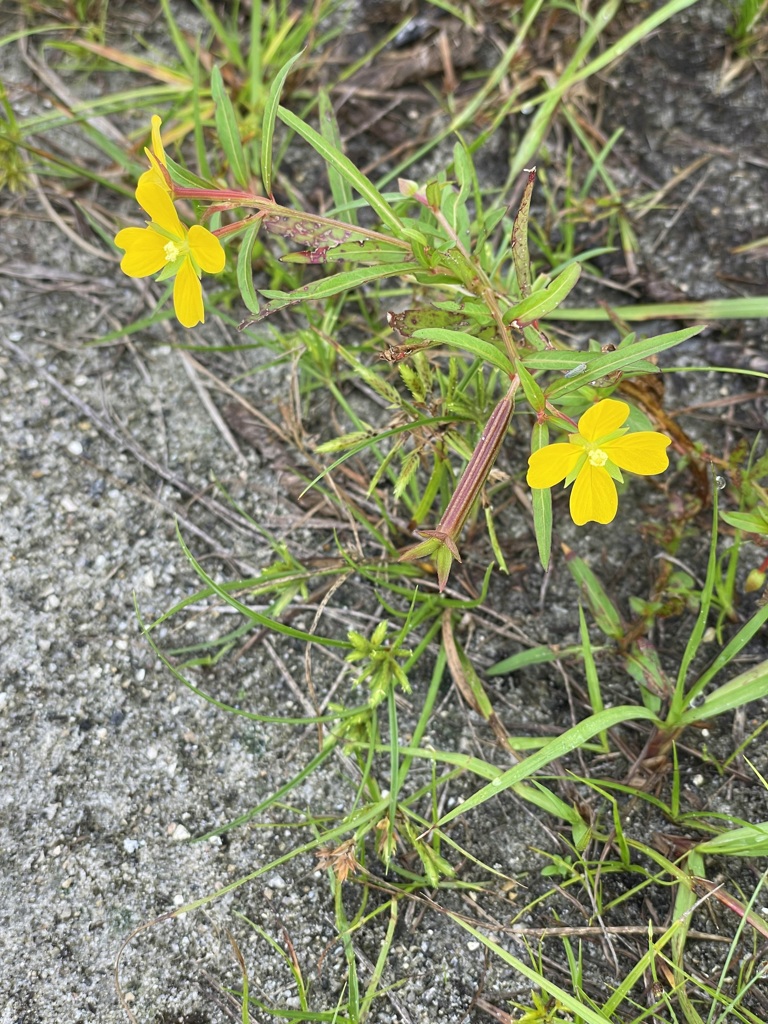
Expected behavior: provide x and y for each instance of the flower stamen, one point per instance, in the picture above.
(172, 251)
(597, 457)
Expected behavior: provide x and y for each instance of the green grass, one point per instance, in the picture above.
(415, 440)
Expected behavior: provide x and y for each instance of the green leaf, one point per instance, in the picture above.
(571, 739)
(349, 172)
(475, 346)
(732, 649)
(534, 656)
(590, 670)
(329, 286)
(643, 664)
(750, 686)
(603, 363)
(750, 522)
(228, 130)
(520, 255)
(498, 554)
(270, 116)
(752, 307)
(749, 841)
(245, 268)
(564, 360)
(533, 392)
(546, 299)
(601, 606)
(541, 501)
(340, 189)
(365, 250)
(250, 613)
(187, 57)
(680, 696)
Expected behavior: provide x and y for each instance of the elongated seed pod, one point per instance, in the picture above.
(476, 473)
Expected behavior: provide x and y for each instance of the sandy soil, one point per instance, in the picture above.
(108, 763)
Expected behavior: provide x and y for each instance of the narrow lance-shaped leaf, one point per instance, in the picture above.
(245, 268)
(270, 116)
(360, 251)
(409, 321)
(532, 391)
(347, 169)
(750, 686)
(605, 363)
(534, 656)
(475, 346)
(601, 606)
(340, 187)
(571, 739)
(228, 130)
(747, 841)
(519, 246)
(544, 301)
(328, 287)
(541, 500)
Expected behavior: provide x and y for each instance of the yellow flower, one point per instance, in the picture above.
(165, 245)
(594, 458)
(156, 157)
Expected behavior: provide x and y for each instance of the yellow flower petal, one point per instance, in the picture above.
(602, 419)
(188, 296)
(154, 174)
(593, 498)
(156, 157)
(207, 249)
(144, 251)
(643, 453)
(157, 141)
(551, 464)
(155, 201)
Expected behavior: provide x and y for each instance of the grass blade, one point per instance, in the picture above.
(268, 122)
(344, 166)
(228, 129)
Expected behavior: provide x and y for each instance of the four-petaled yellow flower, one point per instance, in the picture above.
(158, 166)
(594, 458)
(167, 246)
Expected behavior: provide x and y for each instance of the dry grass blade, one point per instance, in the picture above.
(62, 225)
(152, 70)
(70, 101)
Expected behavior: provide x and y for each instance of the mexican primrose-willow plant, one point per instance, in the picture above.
(426, 237)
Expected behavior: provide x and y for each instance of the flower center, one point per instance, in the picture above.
(597, 457)
(172, 251)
